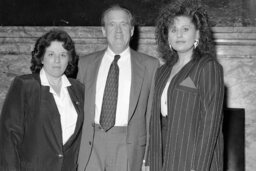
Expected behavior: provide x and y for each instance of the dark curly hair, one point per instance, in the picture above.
(45, 41)
(198, 17)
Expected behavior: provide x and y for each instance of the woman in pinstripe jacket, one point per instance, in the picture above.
(186, 121)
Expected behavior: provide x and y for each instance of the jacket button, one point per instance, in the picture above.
(90, 143)
(60, 155)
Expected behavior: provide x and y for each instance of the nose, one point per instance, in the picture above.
(118, 28)
(57, 58)
(179, 33)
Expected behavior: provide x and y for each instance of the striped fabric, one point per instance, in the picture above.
(194, 137)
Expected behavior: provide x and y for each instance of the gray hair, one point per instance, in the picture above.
(117, 7)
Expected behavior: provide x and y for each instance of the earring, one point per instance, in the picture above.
(196, 43)
(170, 46)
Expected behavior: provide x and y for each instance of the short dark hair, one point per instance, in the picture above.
(198, 17)
(117, 7)
(45, 41)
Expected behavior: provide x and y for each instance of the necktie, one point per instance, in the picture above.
(109, 102)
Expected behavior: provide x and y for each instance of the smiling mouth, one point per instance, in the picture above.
(180, 42)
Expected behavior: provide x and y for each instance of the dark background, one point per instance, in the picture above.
(70, 12)
(88, 12)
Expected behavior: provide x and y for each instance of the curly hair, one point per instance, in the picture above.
(45, 41)
(198, 17)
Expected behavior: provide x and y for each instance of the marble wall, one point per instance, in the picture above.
(236, 49)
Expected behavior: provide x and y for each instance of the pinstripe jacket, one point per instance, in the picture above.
(195, 99)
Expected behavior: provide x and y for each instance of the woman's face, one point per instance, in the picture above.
(182, 34)
(55, 59)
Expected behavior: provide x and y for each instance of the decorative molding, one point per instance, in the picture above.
(231, 42)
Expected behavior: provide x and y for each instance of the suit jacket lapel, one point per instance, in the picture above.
(91, 81)
(54, 116)
(184, 72)
(137, 75)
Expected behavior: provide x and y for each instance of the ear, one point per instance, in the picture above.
(103, 31)
(132, 31)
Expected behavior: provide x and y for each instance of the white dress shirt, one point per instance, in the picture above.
(67, 111)
(124, 86)
(164, 99)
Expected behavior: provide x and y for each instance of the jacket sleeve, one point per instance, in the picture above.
(211, 90)
(11, 126)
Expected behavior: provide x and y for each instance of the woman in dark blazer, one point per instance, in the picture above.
(185, 131)
(41, 119)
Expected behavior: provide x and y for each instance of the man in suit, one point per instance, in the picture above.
(120, 146)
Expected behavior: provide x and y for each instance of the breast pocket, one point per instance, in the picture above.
(186, 99)
(186, 89)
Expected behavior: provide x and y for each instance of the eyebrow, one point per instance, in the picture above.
(187, 25)
(53, 51)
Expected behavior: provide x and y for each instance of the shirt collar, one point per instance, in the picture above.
(125, 54)
(45, 82)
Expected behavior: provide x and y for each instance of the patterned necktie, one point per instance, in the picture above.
(109, 102)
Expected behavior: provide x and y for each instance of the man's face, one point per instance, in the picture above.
(118, 30)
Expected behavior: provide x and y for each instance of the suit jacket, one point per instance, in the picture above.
(143, 69)
(194, 138)
(30, 128)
